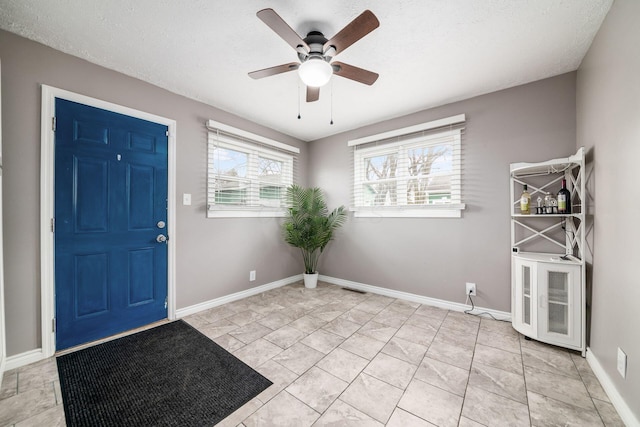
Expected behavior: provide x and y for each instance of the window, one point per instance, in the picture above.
(414, 172)
(247, 174)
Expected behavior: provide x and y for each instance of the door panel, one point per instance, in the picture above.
(110, 192)
(141, 188)
(142, 142)
(141, 277)
(90, 132)
(91, 291)
(92, 195)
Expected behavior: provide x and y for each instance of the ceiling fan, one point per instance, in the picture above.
(316, 52)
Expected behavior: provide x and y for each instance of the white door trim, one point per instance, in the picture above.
(3, 343)
(47, 156)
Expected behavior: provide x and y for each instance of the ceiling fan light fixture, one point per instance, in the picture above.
(315, 72)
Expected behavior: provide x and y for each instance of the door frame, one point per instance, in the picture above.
(47, 198)
(3, 343)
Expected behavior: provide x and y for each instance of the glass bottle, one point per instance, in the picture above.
(547, 203)
(540, 207)
(554, 205)
(525, 201)
(564, 199)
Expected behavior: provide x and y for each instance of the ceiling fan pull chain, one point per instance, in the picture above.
(331, 107)
(298, 99)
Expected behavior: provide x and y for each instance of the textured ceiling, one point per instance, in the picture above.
(427, 52)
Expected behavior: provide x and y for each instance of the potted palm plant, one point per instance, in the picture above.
(309, 226)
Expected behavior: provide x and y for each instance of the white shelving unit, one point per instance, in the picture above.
(548, 268)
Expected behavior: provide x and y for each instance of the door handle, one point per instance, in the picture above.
(161, 238)
(542, 300)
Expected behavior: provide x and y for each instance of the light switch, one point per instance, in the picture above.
(186, 199)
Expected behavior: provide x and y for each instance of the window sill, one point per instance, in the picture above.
(245, 213)
(444, 211)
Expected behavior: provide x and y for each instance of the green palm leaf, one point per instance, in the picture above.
(309, 226)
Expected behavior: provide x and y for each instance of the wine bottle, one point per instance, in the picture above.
(525, 202)
(564, 199)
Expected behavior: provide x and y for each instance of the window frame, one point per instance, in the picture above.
(254, 150)
(401, 147)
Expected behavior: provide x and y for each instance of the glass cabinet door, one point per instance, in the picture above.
(559, 303)
(524, 316)
(526, 294)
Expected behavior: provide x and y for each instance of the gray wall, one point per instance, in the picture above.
(435, 257)
(608, 125)
(430, 257)
(214, 256)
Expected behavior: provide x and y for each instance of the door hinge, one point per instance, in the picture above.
(53, 124)
(53, 324)
(53, 225)
(167, 133)
(165, 303)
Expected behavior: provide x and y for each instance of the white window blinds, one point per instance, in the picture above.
(414, 171)
(247, 174)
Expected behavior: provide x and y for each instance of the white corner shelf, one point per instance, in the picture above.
(548, 287)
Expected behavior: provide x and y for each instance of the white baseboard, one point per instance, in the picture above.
(616, 399)
(501, 315)
(192, 309)
(23, 359)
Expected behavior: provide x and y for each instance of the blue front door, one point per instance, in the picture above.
(110, 206)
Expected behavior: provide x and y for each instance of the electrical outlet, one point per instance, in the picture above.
(622, 363)
(471, 289)
(252, 275)
(186, 199)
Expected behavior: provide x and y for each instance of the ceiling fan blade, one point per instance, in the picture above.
(272, 71)
(354, 73)
(281, 28)
(354, 31)
(313, 93)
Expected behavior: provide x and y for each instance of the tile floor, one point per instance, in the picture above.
(342, 358)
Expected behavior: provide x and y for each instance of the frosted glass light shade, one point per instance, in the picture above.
(315, 72)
